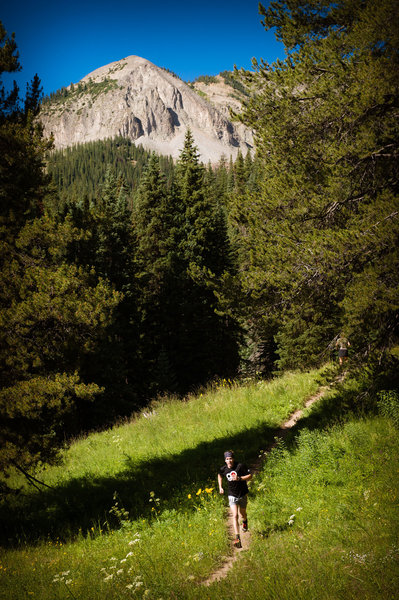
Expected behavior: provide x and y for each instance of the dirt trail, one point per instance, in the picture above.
(255, 468)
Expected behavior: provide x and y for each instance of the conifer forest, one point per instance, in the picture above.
(126, 276)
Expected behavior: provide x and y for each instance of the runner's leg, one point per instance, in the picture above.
(234, 512)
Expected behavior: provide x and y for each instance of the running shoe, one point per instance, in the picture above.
(245, 525)
(237, 542)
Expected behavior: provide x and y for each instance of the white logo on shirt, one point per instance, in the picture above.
(229, 475)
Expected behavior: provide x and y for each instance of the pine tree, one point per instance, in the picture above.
(51, 313)
(109, 248)
(322, 232)
(157, 222)
(205, 249)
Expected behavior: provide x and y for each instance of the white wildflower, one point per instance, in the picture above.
(123, 560)
(108, 577)
(299, 508)
(119, 572)
(129, 554)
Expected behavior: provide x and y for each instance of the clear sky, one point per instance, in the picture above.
(63, 41)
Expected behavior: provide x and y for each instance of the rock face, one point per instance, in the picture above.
(135, 99)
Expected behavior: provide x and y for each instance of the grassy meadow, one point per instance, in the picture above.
(133, 512)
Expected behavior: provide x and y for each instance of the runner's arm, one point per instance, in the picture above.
(221, 490)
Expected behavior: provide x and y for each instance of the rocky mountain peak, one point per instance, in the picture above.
(138, 100)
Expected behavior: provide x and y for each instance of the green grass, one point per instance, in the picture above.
(326, 518)
(134, 511)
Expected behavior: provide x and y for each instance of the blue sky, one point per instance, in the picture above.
(63, 41)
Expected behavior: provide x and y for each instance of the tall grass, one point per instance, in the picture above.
(135, 514)
(325, 518)
(171, 448)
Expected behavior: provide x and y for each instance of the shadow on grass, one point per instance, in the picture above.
(83, 503)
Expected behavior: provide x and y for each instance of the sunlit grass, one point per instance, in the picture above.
(323, 512)
(325, 518)
(170, 426)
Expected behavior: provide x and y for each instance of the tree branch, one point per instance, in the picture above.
(31, 480)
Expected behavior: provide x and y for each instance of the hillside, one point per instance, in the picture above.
(134, 511)
(222, 91)
(150, 106)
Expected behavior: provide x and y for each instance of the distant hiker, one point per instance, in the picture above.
(342, 344)
(237, 476)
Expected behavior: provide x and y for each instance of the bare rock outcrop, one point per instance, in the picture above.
(138, 100)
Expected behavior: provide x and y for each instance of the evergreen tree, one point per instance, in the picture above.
(157, 226)
(51, 313)
(51, 317)
(108, 247)
(208, 340)
(321, 235)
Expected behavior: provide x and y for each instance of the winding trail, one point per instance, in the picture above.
(281, 433)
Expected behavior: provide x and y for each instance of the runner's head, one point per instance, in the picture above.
(229, 458)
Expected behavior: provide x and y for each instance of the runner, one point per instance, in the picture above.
(237, 476)
(342, 344)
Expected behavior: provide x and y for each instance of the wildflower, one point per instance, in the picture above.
(124, 559)
(199, 556)
(129, 586)
(209, 490)
(68, 582)
(129, 554)
(299, 508)
(109, 577)
(199, 492)
(189, 496)
(119, 572)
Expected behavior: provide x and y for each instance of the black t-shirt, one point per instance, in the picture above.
(235, 488)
